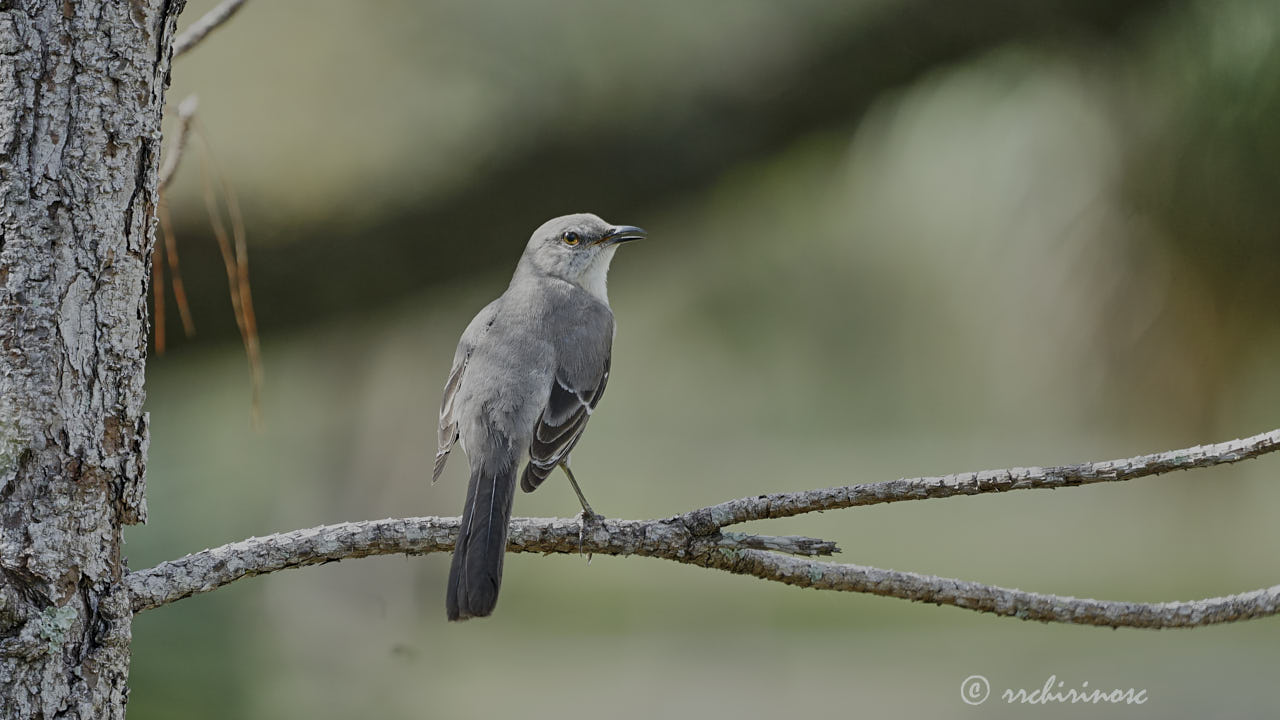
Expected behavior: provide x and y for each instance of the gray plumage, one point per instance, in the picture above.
(529, 371)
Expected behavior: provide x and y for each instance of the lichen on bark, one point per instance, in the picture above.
(81, 92)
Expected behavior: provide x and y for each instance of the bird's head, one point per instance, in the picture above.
(578, 249)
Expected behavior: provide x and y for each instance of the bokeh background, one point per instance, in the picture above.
(888, 238)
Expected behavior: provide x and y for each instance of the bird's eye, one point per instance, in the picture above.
(571, 238)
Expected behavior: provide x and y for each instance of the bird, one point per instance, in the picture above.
(528, 373)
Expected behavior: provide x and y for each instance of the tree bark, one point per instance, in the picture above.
(81, 93)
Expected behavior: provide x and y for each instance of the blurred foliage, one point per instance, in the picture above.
(1050, 251)
(1214, 161)
(386, 163)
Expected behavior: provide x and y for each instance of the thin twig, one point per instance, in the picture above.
(685, 539)
(252, 347)
(235, 259)
(186, 111)
(224, 240)
(157, 295)
(780, 505)
(205, 25)
(996, 600)
(169, 250)
(175, 269)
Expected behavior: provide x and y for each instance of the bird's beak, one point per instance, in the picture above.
(621, 234)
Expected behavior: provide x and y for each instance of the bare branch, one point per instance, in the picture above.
(205, 25)
(779, 505)
(668, 539)
(695, 539)
(997, 600)
(169, 248)
(210, 569)
(186, 111)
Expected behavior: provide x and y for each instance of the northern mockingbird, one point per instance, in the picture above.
(528, 372)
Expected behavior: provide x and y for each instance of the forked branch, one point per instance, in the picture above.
(697, 538)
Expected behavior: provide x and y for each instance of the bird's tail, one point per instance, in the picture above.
(476, 573)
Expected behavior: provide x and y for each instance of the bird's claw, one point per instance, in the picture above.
(587, 520)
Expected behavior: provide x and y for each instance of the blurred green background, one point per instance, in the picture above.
(888, 238)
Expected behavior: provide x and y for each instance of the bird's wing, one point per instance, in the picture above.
(448, 431)
(561, 425)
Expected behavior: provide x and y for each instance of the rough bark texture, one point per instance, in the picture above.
(81, 90)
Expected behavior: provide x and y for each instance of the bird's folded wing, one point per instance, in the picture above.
(561, 424)
(448, 423)
(476, 329)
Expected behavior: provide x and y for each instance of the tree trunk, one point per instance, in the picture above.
(81, 92)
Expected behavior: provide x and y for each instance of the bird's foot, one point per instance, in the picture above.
(588, 521)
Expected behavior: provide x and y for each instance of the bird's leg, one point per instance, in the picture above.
(588, 516)
(586, 506)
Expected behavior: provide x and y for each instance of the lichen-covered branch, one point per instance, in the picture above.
(695, 538)
(997, 600)
(779, 505)
(668, 539)
(210, 569)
